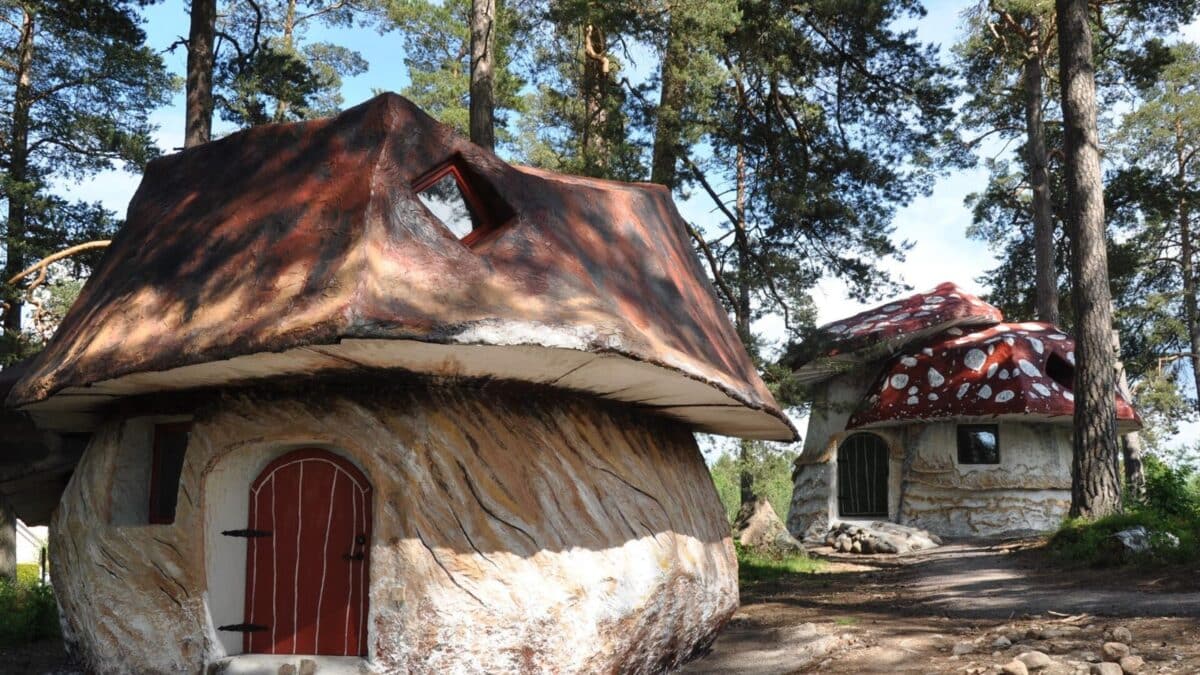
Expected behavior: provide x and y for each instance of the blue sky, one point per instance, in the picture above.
(936, 223)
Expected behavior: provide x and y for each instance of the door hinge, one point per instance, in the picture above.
(247, 533)
(243, 627)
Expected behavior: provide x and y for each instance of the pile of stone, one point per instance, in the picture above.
(1115, 656)
(879, 537)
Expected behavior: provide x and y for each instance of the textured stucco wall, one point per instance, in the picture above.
(1030, 489)
(513, 532)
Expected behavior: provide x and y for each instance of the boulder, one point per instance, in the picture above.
(1034, 660)
(1114, 651)
(1014, 667)
(1132, 664)
(1105, 669)
(1139, 541)
(758, 527)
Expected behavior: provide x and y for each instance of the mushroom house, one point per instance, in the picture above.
(355, 395)
(933, 412)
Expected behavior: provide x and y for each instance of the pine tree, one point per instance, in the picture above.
(268, 71)
(1096, 483)
(438, 53)
(79, 84)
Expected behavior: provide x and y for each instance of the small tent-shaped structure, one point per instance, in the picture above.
(932, 412)
(359, 391)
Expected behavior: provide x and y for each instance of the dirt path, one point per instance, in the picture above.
(910, 614)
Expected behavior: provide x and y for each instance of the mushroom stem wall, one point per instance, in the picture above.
(513, 531)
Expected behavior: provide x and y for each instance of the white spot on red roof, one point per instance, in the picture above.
(962, 389)
(908, 361)
(1004, 396)
(912, 400)
(1041, 388)
(992, 369)
(1071, 357)
(975, 359)
(1028, 368)
(1037, 344)
(984, 392)
(1068, 395)
(935, 378)
(899, 380)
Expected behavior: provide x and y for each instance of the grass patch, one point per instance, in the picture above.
(1091, 543)
(754, 566)
(845, 620)
(28, 611)
(1171, 506)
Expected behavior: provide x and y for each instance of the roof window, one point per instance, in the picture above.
(461, 202)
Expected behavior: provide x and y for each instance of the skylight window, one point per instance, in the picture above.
(446, 199)
(461, 201)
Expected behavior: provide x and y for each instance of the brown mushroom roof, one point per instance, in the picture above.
(880, 331)
(299, 248)
(1024, 369)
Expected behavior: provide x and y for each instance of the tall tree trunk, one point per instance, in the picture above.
(483, 73)
(595, 91)
(198, 127)
(1187, 253)
(288, 40)
(8, 541)
(1131, 443)
(1095, 477)
(1043, 220)
(668, 128)
(18, 170)
(742, 311)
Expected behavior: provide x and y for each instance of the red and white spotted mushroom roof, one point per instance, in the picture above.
(879, 332)
(1024, 369)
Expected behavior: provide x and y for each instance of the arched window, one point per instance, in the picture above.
(862, 477)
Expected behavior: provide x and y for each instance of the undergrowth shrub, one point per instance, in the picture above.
(1170, 508)
(28, 611)
(762, 566)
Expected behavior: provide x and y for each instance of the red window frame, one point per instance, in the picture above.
(155, 517)
(475, 201)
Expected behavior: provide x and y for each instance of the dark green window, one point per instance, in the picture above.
(978, 444)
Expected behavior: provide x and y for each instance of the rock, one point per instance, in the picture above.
(856, 547)
(1114, 651)
(757, 526)
(1122, 634)
(308, 667)
(1002, 642)
(1090, 657)
(287, 669)
(1034, 660)
(843, 543)
(1132, 664)
(1034, 633)
(963, 648)
(1014, 667)
(1105, 669)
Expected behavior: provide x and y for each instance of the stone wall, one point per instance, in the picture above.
(514, 531)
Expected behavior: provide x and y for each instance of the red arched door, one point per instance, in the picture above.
(307, 557)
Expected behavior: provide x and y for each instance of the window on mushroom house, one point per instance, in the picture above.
(1061, 371)
(170, 444)
(463, 204)
(978, 444)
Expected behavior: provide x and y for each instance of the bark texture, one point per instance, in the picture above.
(8, 540)
(483, 73)
(18, 170)
(513, 533)
(1096, 482)
(669, 128)
(1040, 208)
(201, 36)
